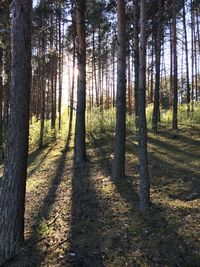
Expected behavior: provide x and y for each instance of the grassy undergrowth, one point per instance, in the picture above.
(87, 219)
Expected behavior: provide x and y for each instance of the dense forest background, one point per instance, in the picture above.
(99, 133)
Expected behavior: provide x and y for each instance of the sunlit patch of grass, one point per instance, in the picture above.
(107, 189)
(43, 228)
(100, 216)
(34, 184)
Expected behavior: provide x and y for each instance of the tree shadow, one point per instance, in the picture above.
(183, 176)
(34, 256)
(85, 241)
(158, 239)
(35, 154)
(182, 183)
(173, 148)
(125, 186)
(180, 137)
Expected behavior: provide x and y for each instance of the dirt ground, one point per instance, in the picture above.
(79, 216)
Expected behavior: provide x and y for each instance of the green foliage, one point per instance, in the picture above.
(183, 117)
(49, 134)
(34, 132)
(43, 228)
(98, 121)
(149, 111)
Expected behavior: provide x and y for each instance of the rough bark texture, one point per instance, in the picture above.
(136, 55)
(119, 150)
(12, 195)
(80, 153)
(1, 101)
(186, 57)
(175, 81)
(142, 134)
(157, 82)
(42, 76)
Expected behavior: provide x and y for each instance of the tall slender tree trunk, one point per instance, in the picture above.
(175, 80)
(120, 135)
(60, 61)
(80, 146)
(129, 85)
(113, 74)
(142, 131)
(42, 77)
(152, 76)
(186, 57)
(136, 55)
(156, 106)
(71, 110)
(192, 55)
(12, 196)
(171, 69)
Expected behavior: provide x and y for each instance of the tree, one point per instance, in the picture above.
(12, 197)
(142, 131)
(42, 73)
(120, 135)
(175, 80)
(80, 153)
(186, 57)
(158, 37)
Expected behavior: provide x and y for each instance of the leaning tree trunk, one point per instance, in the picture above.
(80, 153)
(142, 134)
(119, 150)
(12, 196)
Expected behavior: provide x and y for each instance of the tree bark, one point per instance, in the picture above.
(1, 102)
(80, 147)
(142, 132)
(12, 196)
(42, 77)
(175, 81)
(120, 134)
(136, 55)
(186, 57)
(156, 106)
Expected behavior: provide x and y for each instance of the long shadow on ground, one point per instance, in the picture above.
(156, 239)
(85, 241)
(34, 256)
(35, 154)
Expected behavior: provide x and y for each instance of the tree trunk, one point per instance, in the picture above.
(171, 69)
(175, 81)
(186, 57)
(129, 85)
(12, 196)
(136, 55)
(119, 150)
(142, 132)
(156, 106)
(73, 73)
(42, 78)
(80, 153)
(1, 102)
(60, 61)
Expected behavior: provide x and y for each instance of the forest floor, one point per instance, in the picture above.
(86, 219)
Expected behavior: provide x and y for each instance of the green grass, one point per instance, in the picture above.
(96, 218)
